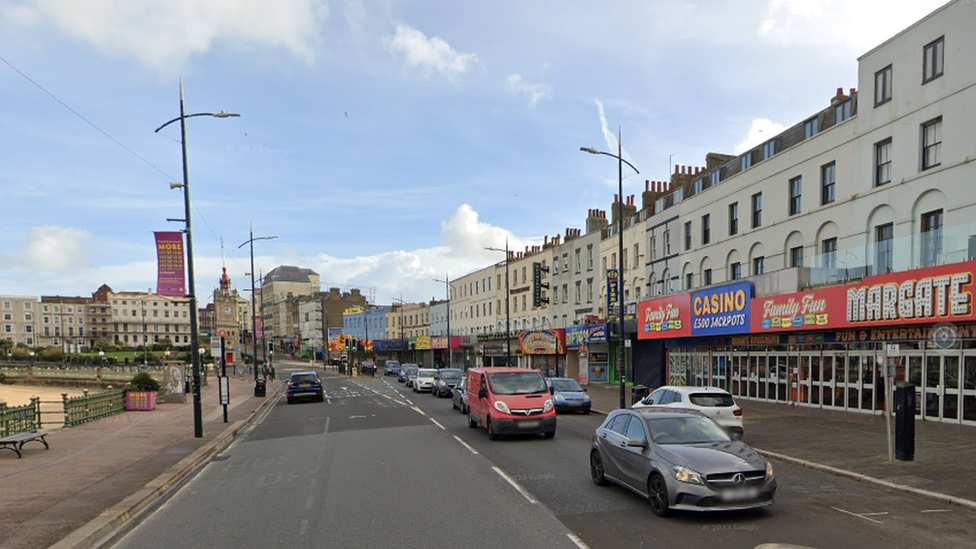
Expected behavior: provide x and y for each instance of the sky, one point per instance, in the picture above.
(384, 143)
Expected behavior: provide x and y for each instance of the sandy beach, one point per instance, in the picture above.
(20, 395)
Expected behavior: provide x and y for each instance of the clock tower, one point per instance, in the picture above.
(227, 311)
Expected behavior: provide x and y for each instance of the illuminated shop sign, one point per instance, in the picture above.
(722, 310)
(664, 317)
(587, 333)
(544, 342)
(923, 296)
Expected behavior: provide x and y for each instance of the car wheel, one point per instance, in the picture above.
(291, 400)
(586, 412)
(596, 469)
(492, 435)
(321, 398)
(453, 405)
(550, 434)
(471, 422)
(657, 493)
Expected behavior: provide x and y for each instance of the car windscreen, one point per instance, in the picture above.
(304, 378)
(392, 364)
(567, 385)
(517, 383)
(711, 399)
(425, 373)
(686, 430)
(450, 375)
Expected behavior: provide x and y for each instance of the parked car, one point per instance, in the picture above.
(679, 459)
(445, 380)
(304, 385)
(391, 368)
(411, 374)
(367, 368)
(459, 396)
(510, 401)
(424, 380)
(404, 370)
(567, 395)
(715, 403)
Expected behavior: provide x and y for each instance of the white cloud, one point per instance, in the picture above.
(50, 248)
(536, 92)
(762, 129)
(840, 23)
(164, 34)
(428, 53)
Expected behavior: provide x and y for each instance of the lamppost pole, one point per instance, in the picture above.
(620, 254)
(447, 289)
(508, 316)
(191, 291)
(254, 326)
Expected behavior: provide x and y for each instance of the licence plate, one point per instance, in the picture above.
(740, 494)
(304, 385)
(533, 424)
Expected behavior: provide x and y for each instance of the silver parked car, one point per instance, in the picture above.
(679, 459)
(423, 380)
(459, 396)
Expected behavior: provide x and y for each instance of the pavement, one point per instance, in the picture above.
(100, 476)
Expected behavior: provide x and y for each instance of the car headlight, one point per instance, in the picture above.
(547, 406)
(769, 470)
(684, 474)
(559, 397)
(586, 398)
(502, 407)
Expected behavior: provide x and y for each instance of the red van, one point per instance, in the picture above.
(510, 401)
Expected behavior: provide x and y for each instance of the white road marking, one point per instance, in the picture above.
(419, 411)
(514, 484)
(355, 417)
(579, 543)
(437, 424)
(874, 514)
(465, 444)
(302, 527)
(408, 401)
(936, 510)
(856, 515)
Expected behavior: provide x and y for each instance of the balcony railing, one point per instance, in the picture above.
(953, 244)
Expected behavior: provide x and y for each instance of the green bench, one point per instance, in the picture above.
(16, 442)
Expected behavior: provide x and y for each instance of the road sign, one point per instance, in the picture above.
(893, 350)
(223, 333)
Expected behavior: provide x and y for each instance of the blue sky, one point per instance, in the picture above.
(385, 143)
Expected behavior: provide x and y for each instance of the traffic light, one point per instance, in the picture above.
(355, 344)
(271, 347)
(347, 343)
(538, 285)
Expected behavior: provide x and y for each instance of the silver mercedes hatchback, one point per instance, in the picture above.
(679, 459)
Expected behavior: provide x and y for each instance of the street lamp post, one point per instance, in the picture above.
(403, 341)
(447, 289)
(508, 297)
(620, 254)
(254, 325)
(191, 291)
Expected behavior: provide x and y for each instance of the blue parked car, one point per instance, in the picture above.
(404, 370)
(568, 396)
(391, 368)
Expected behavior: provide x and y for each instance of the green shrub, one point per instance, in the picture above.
(143, 381)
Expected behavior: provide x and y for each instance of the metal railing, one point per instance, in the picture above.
(85, 408)
(20, 419)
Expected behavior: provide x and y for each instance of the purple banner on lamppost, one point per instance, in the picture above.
(170, 277)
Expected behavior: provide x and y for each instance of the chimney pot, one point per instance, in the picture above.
(853, 90)
(647, 184)
(840, 92)
(676, 169)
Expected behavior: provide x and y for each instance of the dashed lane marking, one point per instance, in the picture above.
(516, 485)
(437, 424)
(465, 444)
(579, 543)
(936, 510)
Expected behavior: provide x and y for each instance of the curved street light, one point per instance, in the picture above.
(447, 284)
(620, 254)
(508, 298)
(191, 291)
(254, 320)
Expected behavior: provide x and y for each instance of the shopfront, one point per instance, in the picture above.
(587, 353)
(828, 347)
(544, 350)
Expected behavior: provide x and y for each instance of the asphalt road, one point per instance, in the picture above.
(380, 466)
